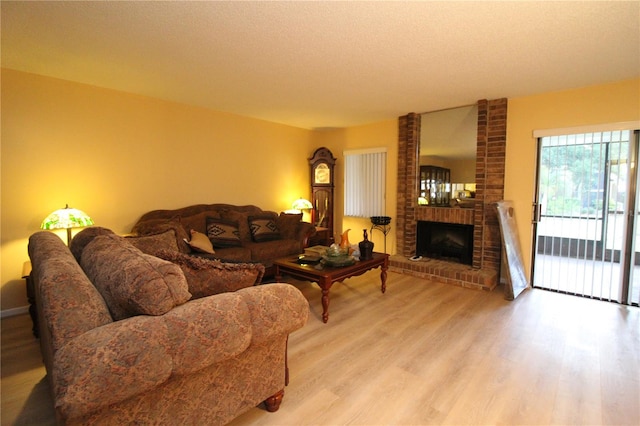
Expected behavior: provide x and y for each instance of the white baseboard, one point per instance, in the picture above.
(14, 311)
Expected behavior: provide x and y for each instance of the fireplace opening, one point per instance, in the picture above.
(445, 241)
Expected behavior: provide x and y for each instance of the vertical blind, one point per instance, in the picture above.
(364, 182)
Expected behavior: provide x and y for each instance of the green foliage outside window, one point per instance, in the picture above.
(573, 178)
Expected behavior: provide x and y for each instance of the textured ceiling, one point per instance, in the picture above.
(325, 64)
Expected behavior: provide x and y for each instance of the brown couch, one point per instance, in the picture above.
(289, 234)
(125, 342)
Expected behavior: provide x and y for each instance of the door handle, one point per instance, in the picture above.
(537, 212)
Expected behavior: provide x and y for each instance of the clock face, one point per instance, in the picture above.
(322, 174)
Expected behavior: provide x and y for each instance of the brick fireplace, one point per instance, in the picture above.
(452, 242)
(483, 273)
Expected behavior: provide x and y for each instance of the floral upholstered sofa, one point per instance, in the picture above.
(237, 233)
(124, 341)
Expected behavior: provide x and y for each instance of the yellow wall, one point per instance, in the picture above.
(376, 135)
(608, 103)
(117, 155)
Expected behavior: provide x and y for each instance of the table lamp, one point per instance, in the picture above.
(66, 218)
(301, 204)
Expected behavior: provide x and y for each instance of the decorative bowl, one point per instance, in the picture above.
(337, 256)
(380, 220)
(343, 260)
(337, 251)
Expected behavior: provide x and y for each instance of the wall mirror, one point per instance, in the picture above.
(448, 140)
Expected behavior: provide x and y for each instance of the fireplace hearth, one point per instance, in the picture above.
(445, 241)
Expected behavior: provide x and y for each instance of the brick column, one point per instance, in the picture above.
(407, 194)
(490, 163)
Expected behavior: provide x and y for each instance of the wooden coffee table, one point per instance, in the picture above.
(326, 275)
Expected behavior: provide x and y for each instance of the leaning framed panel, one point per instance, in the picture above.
(516, 279)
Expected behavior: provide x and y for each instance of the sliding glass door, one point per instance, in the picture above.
(586, 235)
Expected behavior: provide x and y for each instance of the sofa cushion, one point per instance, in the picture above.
(150, 244)
(263, 227)
(200, 242)
(84, 237)
(288, 225)
(270, 250)
(229, 254)
(223, 232)
(131, 282)
(206, 276)
(198, 222)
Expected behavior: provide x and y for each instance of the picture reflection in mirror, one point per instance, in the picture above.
(448, 141)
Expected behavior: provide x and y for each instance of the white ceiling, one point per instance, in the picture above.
(325, 64)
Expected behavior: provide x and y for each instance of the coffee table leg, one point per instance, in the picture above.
(325, 285)
(278, 276)
(383, 275)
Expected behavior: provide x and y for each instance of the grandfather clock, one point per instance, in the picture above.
(322, 183)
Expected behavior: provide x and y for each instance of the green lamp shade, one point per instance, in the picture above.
(302, 204)
(66, 218)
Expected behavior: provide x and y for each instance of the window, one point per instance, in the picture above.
(365, 182)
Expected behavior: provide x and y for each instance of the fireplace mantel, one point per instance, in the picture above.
(445, 215)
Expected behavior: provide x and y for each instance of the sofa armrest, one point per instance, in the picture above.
(213, 329)
(275, 310)
(109, 364)
(207, 331)
(304, 232)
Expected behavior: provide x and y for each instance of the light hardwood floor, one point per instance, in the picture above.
(423, 353)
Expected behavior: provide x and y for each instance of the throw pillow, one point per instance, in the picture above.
(223, 232)
(150, 244)
(157, 226)
(242, 219)
(207, 276)
(131, 282)
(264, 228)
(200, 243)
(288, 225)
